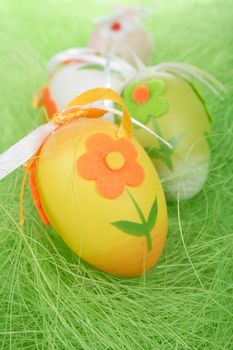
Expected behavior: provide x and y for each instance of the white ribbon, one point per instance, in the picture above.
(88, 56)
(188, 71)
(184, 70)
(73, 53)
(23, 150)
(26, 148)
(108, 109)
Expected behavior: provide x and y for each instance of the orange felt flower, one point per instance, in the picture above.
(111, 163)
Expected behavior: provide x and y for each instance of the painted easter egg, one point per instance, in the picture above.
(72, 79)
(121, 31)
(171, 107)
(77, 70)
(102, 195)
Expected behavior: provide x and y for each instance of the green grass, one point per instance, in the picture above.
(48, 298)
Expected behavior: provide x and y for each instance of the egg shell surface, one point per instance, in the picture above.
(84, 218)
(73, 79)
(171, 107)
(134, 37)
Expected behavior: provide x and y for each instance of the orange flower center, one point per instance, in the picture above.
(141, 94)
(115, 160)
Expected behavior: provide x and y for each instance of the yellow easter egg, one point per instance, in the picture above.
(102, 195)
(170, 106)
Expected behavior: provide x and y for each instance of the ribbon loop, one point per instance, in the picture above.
(102, 94)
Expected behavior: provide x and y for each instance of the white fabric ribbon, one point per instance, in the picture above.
(90, 56)
(23, 150)
(73, 53)
(184, 70)
(189, 71)
(26, 148)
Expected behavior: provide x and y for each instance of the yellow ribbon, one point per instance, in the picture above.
(59, 118)
(98, 94)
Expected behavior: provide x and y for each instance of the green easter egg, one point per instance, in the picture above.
(170, 106)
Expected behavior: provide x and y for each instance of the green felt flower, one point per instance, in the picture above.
(144, 99)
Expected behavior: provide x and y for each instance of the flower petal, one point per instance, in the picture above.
(89, 166)
(139, 112)
(126, 148)
(133, 174)
(156, 86)
(110, 185)
(99, 144)
(157, 107)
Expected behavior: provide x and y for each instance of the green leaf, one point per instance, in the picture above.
(132, 228)
(153, 215)
(155, 125)
(91, 66)
(140, 213)
(164, 154)
(155, 152)
(175, 140)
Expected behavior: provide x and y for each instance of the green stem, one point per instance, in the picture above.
(148, 241)
(140, 213)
